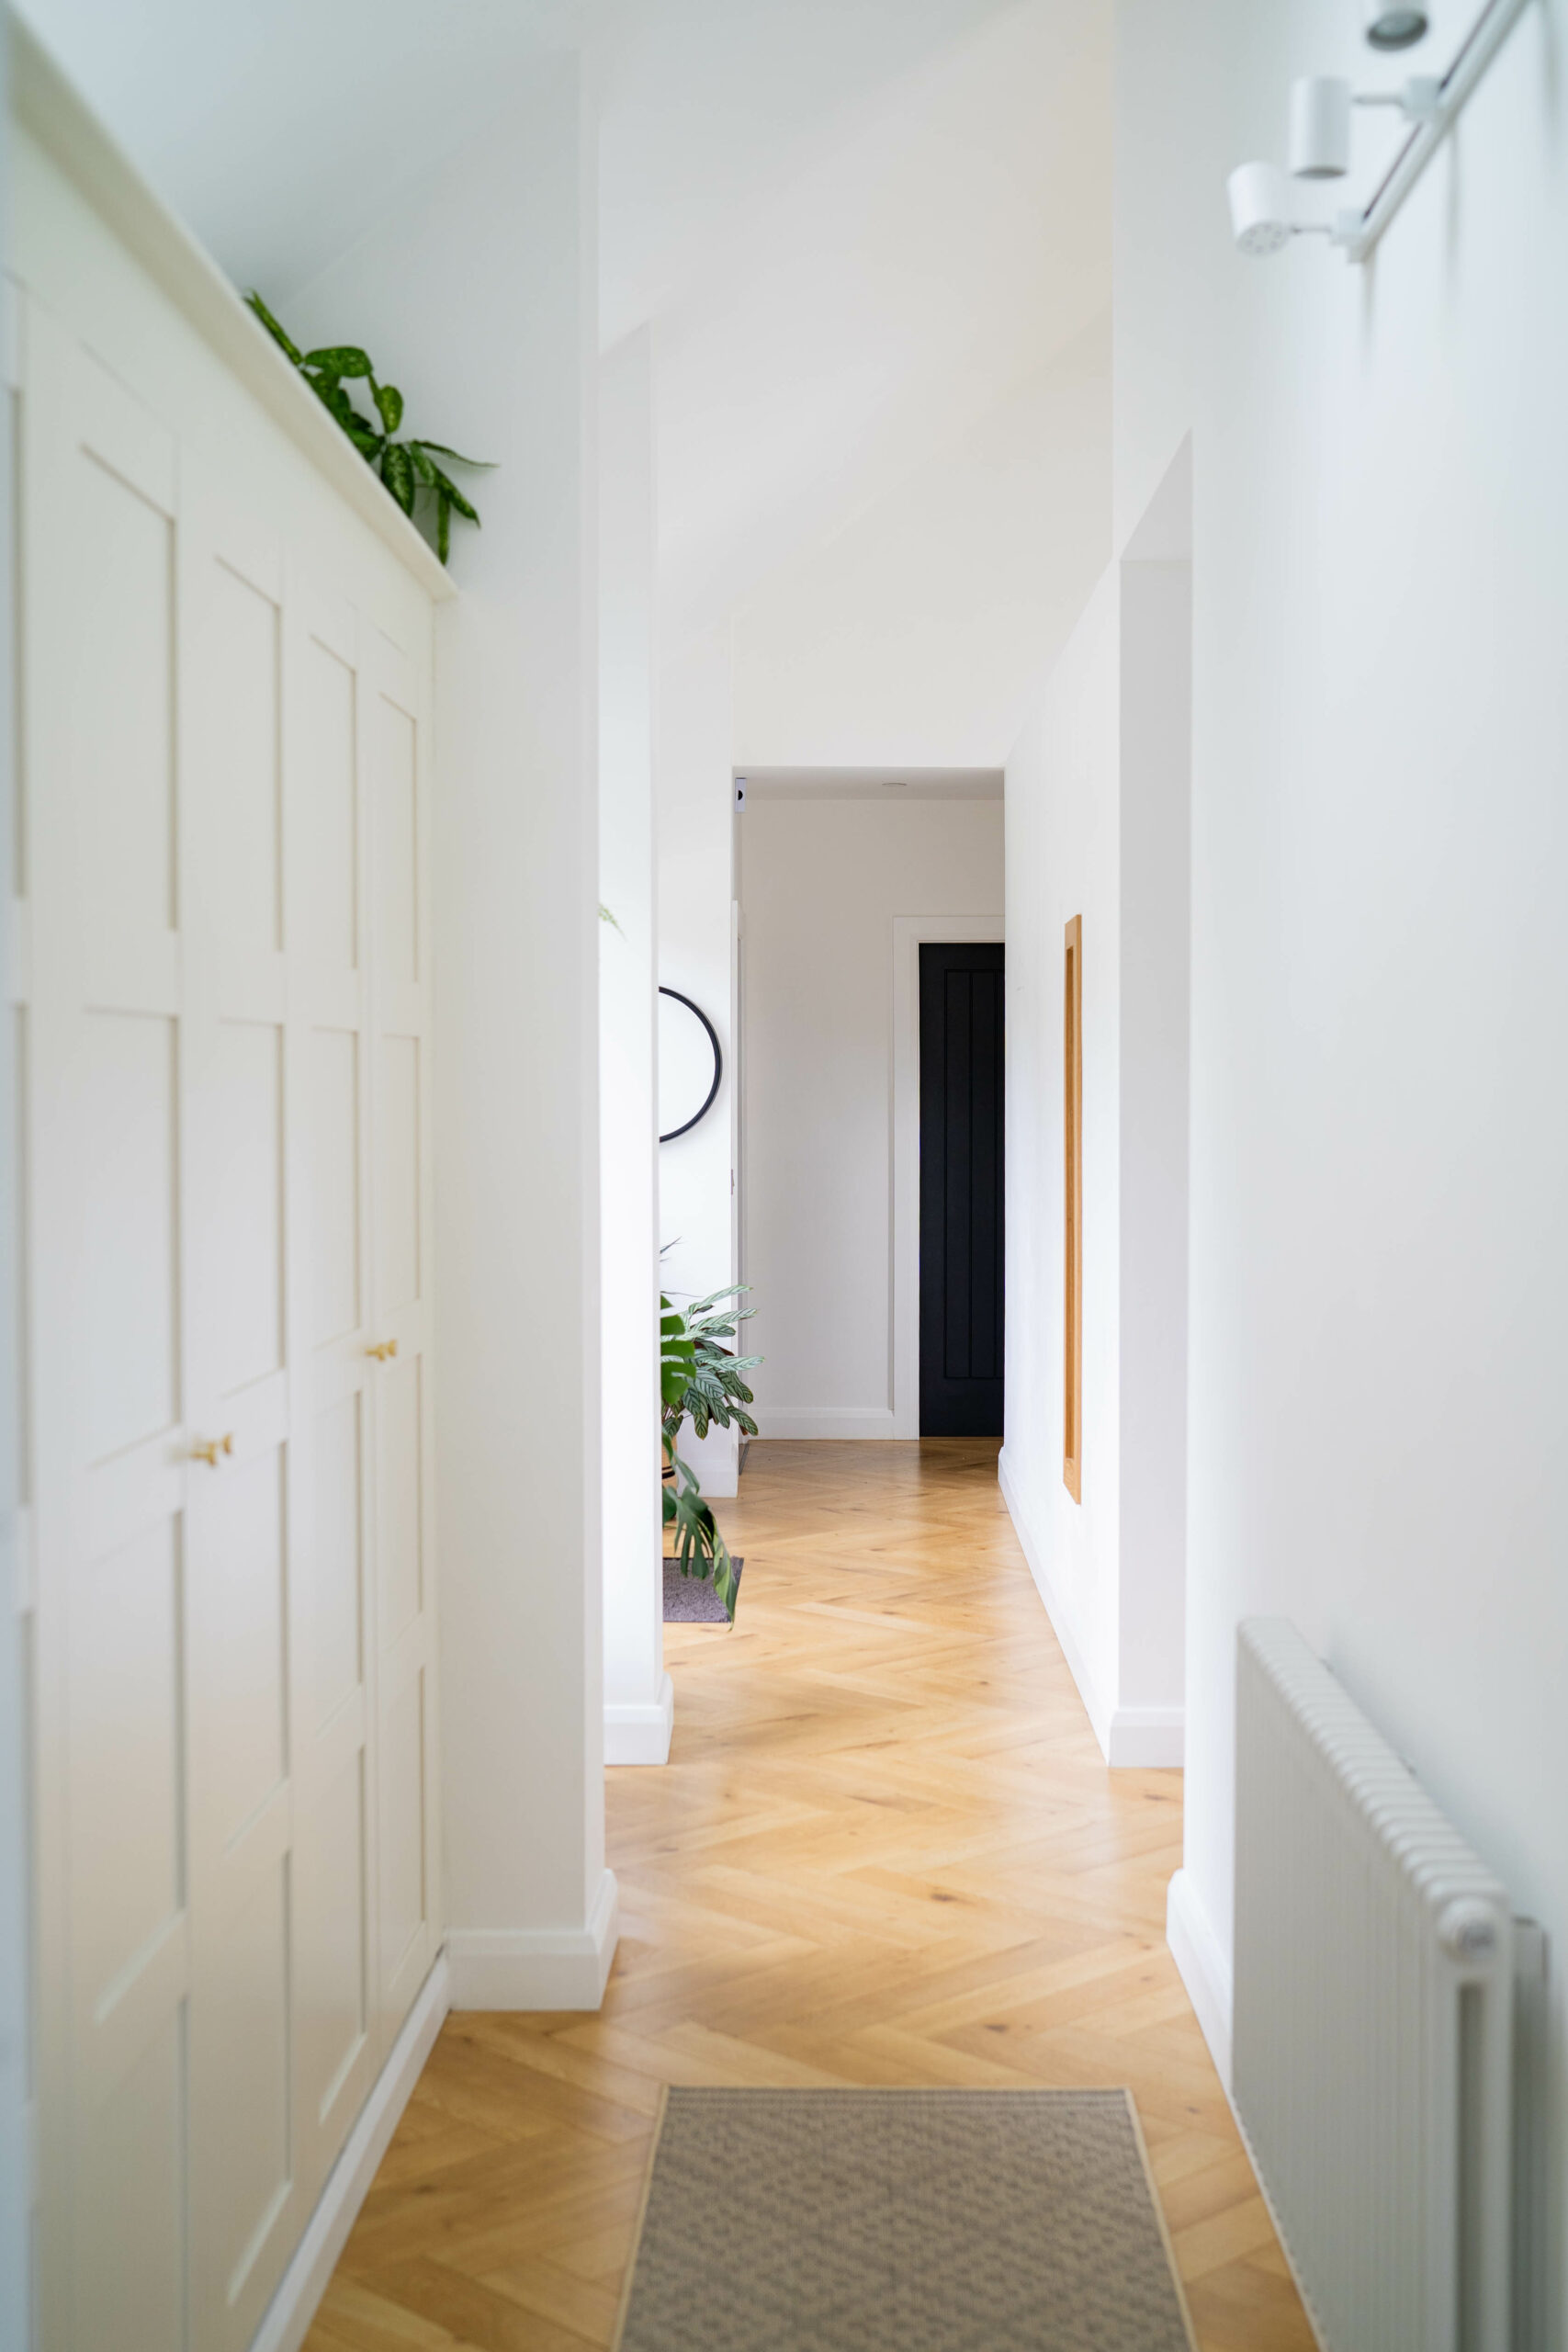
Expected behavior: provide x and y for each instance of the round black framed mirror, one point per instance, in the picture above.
(690, 1064)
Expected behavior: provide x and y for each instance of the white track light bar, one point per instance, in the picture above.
(1261, 218)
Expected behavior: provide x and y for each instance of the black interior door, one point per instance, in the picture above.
(961, 1191)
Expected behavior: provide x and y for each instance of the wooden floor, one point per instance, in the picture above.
(885, 1850)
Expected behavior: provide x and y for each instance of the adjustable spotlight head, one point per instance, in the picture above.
(1260, 198)
(1394, 24)
(1320, 128)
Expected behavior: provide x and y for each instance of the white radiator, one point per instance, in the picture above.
(1372, 2032)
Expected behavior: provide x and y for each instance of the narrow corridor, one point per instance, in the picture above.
(885, 1850)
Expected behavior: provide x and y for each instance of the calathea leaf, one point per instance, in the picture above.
(397, 472)
(390, 400)
(339, 359)
(443, 525)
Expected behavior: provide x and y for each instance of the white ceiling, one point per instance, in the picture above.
(859, 228)
(932, 254)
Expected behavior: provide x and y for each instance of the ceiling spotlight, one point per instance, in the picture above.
(1261, 208)
(1391, 24)
(1320, 128)
(1320, 118)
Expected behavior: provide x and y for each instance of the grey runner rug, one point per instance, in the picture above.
(901, 2220)
(690, 1600)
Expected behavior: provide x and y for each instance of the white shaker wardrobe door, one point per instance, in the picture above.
(326, 890)
(111, 1445)
(239, 1598)
(396, 762)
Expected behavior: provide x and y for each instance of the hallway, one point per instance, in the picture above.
(885, 1850)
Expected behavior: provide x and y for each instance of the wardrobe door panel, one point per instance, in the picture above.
(130, 2285)
(122, 682)
(244, 1079)
(243, 787)
(393, 691)
(399, 1518)
(337, 2049)
(124, 1268)
(334, 1180)
(105, 1187)
(397, 1173)
(244, 2201)
(337, 1558)
(335, 1982)
(128, 1793)
(325, 908)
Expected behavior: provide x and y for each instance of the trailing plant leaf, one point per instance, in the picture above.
(406, 468)
(290, 350)
(339, 359)
(700, 1549)
(397, 472)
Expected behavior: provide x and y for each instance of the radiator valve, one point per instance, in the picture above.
(1467, 1929)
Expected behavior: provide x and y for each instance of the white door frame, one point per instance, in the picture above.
(909, 933)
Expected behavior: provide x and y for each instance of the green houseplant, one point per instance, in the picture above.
(700, 1380)
(409, 468)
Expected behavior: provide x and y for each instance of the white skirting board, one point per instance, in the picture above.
(1152, 1738)
(848, 1422)
(641, 1734)
(537, 1968)
(293, 2307)
(1202, 1967)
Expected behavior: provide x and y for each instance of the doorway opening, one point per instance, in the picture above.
(962, 1176)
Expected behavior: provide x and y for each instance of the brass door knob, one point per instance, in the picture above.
(387, 1348)
(210, 1451)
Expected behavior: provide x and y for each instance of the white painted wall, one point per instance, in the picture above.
(1097, 821)
(822, 880)
(1063, 839)
(696, 895)
(1379, 973)
(920, 630)
(16, 2134)
(476, 294)
(638, 1700)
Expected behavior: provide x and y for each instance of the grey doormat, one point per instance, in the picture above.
(689, 1601)
(901, 2220)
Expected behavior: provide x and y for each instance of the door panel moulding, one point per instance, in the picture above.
(909, 933)
(294, 2305)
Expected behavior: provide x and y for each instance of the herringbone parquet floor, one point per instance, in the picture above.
(885, 1850)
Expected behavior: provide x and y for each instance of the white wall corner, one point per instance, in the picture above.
(1202, 1966)
(638, 1731)
(288, 2317)
(1152, 1738)
(1100, 1716)
(850, 1421)
(537, 1967)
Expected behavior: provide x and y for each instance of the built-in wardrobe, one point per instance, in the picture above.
(223, 1026)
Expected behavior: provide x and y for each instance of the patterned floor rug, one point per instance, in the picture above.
(688, 1601)
(901, 2220)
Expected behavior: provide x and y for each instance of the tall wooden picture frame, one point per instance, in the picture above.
(1072, 1210)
